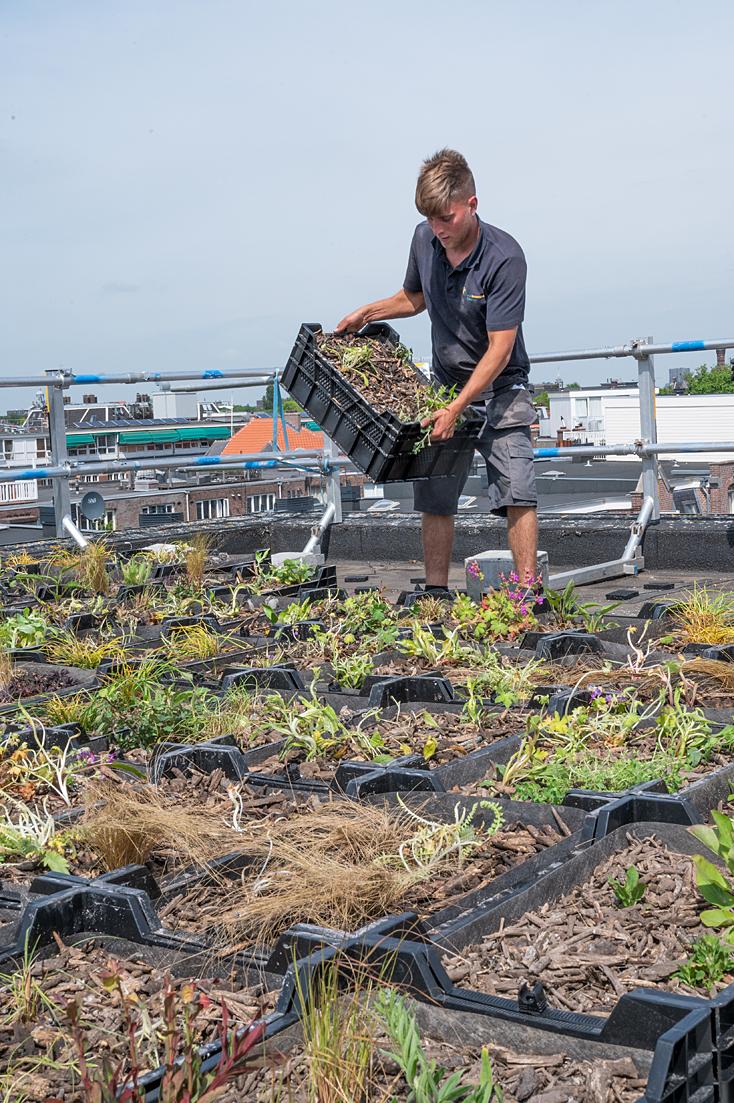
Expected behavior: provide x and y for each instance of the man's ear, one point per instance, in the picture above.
(473, 204)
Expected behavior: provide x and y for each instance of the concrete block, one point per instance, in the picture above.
(313, 559)
(484, 571)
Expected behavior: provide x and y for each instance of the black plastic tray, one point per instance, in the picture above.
(379, 444)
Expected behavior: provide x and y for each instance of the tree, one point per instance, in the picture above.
(706, 380)
(543, 399)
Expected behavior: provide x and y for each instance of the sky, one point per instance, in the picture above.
(183, 183)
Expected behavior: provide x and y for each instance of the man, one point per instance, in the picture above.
(470, 277)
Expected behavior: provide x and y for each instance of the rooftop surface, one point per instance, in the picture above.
(396, 576)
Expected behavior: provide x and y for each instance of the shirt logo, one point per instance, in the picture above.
(472, 297)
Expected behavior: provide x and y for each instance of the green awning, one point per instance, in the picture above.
(156, 436)
(171, 436)
(204, 432)
(74, 439)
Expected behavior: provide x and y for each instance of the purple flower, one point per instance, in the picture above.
(524, 610)
(595, 692)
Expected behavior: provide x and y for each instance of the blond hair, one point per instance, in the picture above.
(443, 178)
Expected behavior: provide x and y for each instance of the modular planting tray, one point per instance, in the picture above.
(379, 444)
(673, 1036)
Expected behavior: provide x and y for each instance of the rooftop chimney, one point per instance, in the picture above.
(720, 358)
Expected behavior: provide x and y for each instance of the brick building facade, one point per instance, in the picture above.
(720, 493)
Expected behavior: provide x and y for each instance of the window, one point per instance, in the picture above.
(731, 499)
(581, 406)
(162, 507)
(108, 523)
(258, 503)
(211, 508)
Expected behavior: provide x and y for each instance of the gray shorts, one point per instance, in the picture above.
(505, 444)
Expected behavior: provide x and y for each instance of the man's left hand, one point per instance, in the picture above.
(443, 422)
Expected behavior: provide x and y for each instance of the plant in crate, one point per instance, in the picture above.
(26, 629)
(710, 961)
(426, 1080)
(266, 576)
(504, 613)
(137, 570)
(136, 707)
(597, 746)
(85, 652)
(630, 891)
(45, 766)
(31, 835)
(704, 617)
(183, 1080)
(367, 615)
(713, 885)
(568, 612)
(350, 671)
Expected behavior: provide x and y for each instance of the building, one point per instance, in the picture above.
(600, 416)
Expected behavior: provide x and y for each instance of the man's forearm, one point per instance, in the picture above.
(493, 362)
(403, 304)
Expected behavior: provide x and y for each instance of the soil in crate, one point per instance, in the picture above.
(585, 949)
(38, 1054)
(385, 379)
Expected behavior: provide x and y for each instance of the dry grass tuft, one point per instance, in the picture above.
(705, 616)
(195, 558)
(326, 866)
(127, 824)
(93, 567)
(710, 673)
(6, 670)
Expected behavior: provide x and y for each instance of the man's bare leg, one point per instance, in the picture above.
(438, 543)
(522, 536)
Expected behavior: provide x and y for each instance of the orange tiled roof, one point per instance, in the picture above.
(257, 436)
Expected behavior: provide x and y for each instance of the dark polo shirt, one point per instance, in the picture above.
(485, 292)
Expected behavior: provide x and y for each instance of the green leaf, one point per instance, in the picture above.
(55, 861)
(717, 917)
(126, 768)
(711, 882)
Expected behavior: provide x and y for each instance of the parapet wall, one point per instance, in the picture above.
(683, 543)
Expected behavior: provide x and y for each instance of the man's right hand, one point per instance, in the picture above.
(352, 322)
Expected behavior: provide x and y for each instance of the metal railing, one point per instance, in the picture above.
(325, 462)
(646, 447)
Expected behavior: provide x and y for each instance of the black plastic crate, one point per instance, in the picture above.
(380, 444)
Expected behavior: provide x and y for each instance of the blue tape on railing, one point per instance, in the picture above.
(207, 461)
(546, 453)
(32, 473)
(89, 379)
(213, 373)
(687, 346)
